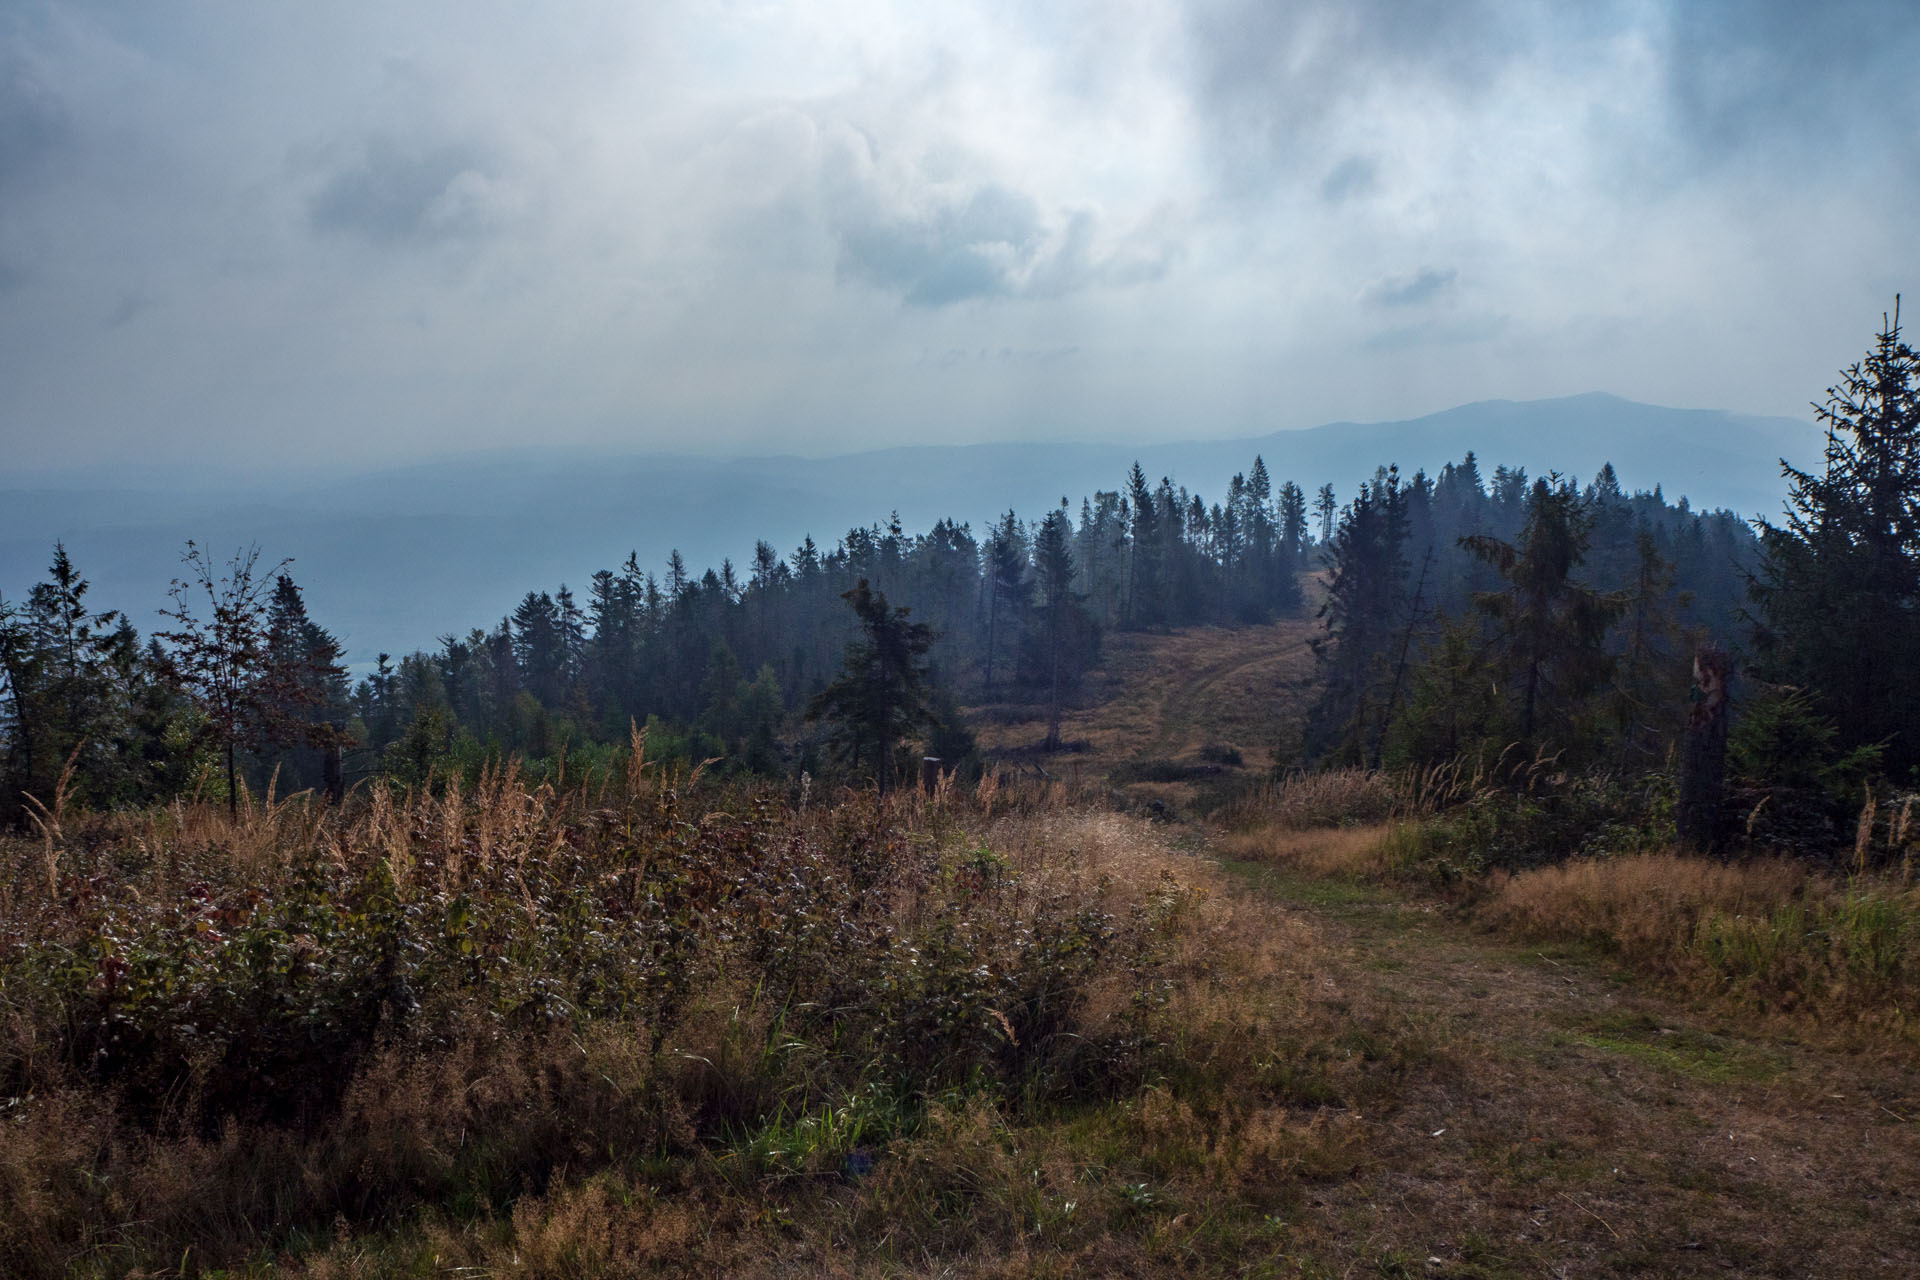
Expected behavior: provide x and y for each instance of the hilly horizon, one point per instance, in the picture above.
(393, 557)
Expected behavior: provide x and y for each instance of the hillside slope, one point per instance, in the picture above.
(1165, 712)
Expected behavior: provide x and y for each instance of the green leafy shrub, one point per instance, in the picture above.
(1558, 817)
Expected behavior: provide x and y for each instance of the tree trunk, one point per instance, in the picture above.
(1703, 755)
(332, 775)
(1053, 697)
(993, 613)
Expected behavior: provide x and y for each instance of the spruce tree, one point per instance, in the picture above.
(1839, 589)
(1060, 629)
(881, 695)
(1008, 592)
(1326, 506)
(1145, 558)
(305, 694)
(1549, 630)
(1366, 596)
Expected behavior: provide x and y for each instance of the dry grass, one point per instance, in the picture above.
(1648, 906)
(1769, 935)
(1345, 853)
(1164, 1055)
(1256, 1103)
(1332, 797)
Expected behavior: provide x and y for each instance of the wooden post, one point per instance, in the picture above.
(930, 774)
(1703, 755)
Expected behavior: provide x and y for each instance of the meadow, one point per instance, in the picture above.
(1242, 1021)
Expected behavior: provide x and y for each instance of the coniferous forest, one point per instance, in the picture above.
(721, 664)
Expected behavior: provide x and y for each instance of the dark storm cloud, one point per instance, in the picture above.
(1744, 73)
(392, 194)
(33, 126)
(1407, 291)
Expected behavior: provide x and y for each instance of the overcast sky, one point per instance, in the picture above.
(264, 232)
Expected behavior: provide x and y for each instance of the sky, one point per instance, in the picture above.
(286, 235)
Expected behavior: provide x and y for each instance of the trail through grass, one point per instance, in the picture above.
(1592, 1125)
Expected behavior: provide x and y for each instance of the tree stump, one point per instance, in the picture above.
(1703, 755)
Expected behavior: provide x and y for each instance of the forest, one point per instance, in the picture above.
(722, 665)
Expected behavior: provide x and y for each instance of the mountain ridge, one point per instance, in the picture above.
(393, 557)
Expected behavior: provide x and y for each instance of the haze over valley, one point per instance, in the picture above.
(395, 557)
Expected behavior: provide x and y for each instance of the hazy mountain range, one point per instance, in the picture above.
(392, 558)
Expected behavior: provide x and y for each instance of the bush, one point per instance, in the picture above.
(1793, 790)
(1297, 801)
(301, 1016)
(1557, 817)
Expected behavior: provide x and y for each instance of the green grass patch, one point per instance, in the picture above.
(1307, 891)
(1697, 1055)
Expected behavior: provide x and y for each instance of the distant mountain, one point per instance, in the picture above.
(393, 558)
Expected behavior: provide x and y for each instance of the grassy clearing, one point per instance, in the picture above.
(645, 1028)
(1177, 714)
(1345, 853)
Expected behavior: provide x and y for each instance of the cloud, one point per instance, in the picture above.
(1407, 291)
(1438, 333)
(975, 245)
(937, 241)
(1351, 179)
(1752, 73)
(130, 307)
(1267, 78)
(392, 194)
(34, 125)
(395, 229)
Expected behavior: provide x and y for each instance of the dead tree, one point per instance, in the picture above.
(1703, 755)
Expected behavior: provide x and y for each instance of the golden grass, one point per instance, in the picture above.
(1646, 905)
(1769, 935)
(1347, 853)
(1323, 798)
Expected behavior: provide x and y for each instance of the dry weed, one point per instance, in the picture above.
(1647, 906)
(1355, 853)
(1843, 956)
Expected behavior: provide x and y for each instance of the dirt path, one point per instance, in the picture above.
(1200, 700)
(1571, 1121)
